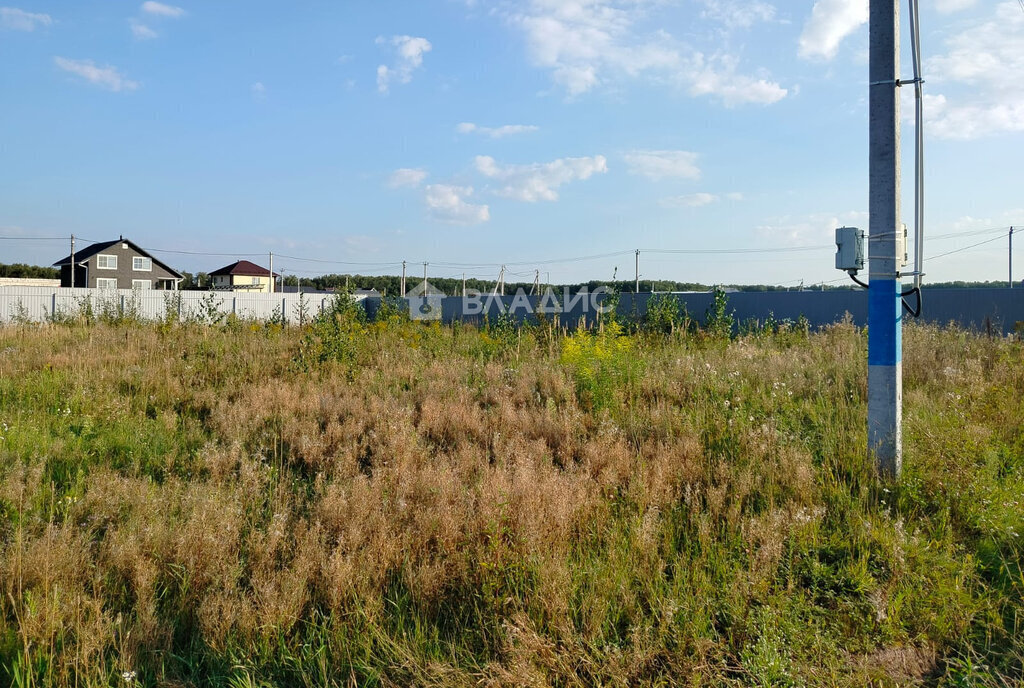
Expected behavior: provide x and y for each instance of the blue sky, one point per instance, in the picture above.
(474, 133)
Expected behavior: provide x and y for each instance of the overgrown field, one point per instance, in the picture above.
(399, 503)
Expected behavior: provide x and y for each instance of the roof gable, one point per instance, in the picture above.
(91, 250)
(242, 267)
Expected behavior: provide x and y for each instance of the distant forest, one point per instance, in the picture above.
(390, 285)
(28, 271)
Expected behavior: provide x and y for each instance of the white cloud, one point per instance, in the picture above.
(539, 181)
(985, 98)
(659, 164)
(694, 200)
(409, 51)
(406, 177)
(588, 43)
(20, 20)
(161, 10)
(948, 6)
(258, 90)
(810, 230)
(105, 77)
(448, 204)
(830, 22)
(738, 13)
(142, 32)
(495, 132)
(718, 77)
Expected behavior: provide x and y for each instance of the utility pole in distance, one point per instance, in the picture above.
(885, 309)
(403, 279)
(1011, 257)
(73, 261)
(636, 289)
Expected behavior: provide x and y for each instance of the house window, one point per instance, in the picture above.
(105, 262)
(142, 263)
(106, 283)
(142, 284)
(255, 280)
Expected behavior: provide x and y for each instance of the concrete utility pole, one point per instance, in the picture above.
(271, 273)
(885, 309)
(536, 282)
(425, 278)
(73, 261)
(403, 279)
(637, 288)
(1011, 257)
(463, 285)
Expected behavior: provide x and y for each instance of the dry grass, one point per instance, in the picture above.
(397, 504)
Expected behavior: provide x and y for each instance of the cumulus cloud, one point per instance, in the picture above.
(830, 22)
(103, 76)
(985, 98)
(406, 177)
(588, 43)
(811, 229)
(495, 132)
(948, 6)
(738, 13)
(701, 198)
(161, 10)
(19, 20)
(447, 203)
(718, 77)
(142, 32)
(694, 200)
(659, 164)
(539, 181)
(409, 51)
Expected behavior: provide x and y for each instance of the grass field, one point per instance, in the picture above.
(394, 503)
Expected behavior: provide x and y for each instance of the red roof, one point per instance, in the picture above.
(243, 267)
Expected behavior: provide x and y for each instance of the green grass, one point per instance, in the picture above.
(397, 503)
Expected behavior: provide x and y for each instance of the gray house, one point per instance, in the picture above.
(118, 264)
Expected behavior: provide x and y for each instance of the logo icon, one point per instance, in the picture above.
(425, 301)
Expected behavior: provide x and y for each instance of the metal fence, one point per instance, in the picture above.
(991, 310)
(42, 304)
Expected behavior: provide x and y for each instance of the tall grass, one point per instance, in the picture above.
(393, 503)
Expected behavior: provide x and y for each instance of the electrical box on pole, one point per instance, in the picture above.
(849, 249)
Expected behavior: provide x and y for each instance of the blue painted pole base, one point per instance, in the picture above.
(885, 375)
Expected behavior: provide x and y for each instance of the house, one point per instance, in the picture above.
(118, 264)
(243, 275)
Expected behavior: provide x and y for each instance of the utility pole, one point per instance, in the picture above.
(73, 261)
(637, 288)
(271, 272)
(425, 278)
(403, 279)
(1011, 257)
(885, 309)
(463, 285)
(536, 282)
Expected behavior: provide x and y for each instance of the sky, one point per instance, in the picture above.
(550, 135)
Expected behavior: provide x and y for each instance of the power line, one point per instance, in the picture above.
(34, 238)
(967, 248)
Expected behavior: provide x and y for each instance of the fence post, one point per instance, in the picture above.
(53, 305)
(233, 310)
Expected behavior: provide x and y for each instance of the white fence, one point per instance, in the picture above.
(40, 304)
